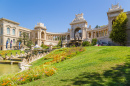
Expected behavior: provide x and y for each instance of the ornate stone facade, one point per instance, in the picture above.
(10, 30)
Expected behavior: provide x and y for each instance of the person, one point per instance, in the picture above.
(19, 44)
(7, 44)
(11, 44)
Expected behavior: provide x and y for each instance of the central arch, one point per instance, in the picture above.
(78, 33)
(42, 35)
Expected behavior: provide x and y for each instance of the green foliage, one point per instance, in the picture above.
(19, 40)
(102, 25)
(97, 26)
(85, 43)
(72, 46)
(56, 47)
(59, 44)
(44, 46)
(118, 33)
(94, 41)
(29, 43)
(25, 39)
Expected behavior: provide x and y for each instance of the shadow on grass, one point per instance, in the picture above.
(116, 76)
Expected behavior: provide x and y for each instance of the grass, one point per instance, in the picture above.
(97, 66)
(11, 51)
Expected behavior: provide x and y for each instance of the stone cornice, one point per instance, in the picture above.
(3, 19)
(78, 22)
(51, 33)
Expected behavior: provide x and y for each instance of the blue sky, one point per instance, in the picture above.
(57, 14)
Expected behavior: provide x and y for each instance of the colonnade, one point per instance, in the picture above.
(97, 33)
(56, 37)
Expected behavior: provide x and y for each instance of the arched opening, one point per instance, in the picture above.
(78, 34)
(42, 35)
(42, 42)
(113, 21)
(35, 35)
(35, 42)
(89, 35)
(68, 37)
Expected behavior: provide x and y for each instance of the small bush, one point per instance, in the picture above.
(94, 41)
(86, 43)
(44, 46)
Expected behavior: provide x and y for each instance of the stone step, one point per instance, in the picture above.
(21, 57)
(16, 59)
(9, 62)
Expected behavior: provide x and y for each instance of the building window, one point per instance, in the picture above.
(8, 40)
(13, 41)
(20, 33)
(13, 31)
(8, 30)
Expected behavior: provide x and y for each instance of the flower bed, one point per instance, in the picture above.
(43, 70)
(64, 53)
(28, 75)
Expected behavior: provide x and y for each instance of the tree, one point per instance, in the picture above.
(19, 40)
(118, 33)
(97, 26)
(94, 41)
(25, 38)
(29, 43)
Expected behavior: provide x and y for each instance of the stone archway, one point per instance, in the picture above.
(113, 21)
(42, 35)
(78, 33)
(68, 37)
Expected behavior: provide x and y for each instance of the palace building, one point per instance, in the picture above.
(79, 31)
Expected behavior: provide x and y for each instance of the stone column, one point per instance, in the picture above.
(107, 32)
(99, 34)
(83, 33)
(40, 37)
(92, 35)
(95, 34)
(45, 35)
(66, 37)
(104, 32)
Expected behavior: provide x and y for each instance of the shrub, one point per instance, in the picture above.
(85, 43)
(55, 47)
(94, 41)
(59, 44)
(44, 46)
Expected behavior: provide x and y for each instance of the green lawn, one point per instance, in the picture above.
(97, 66)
